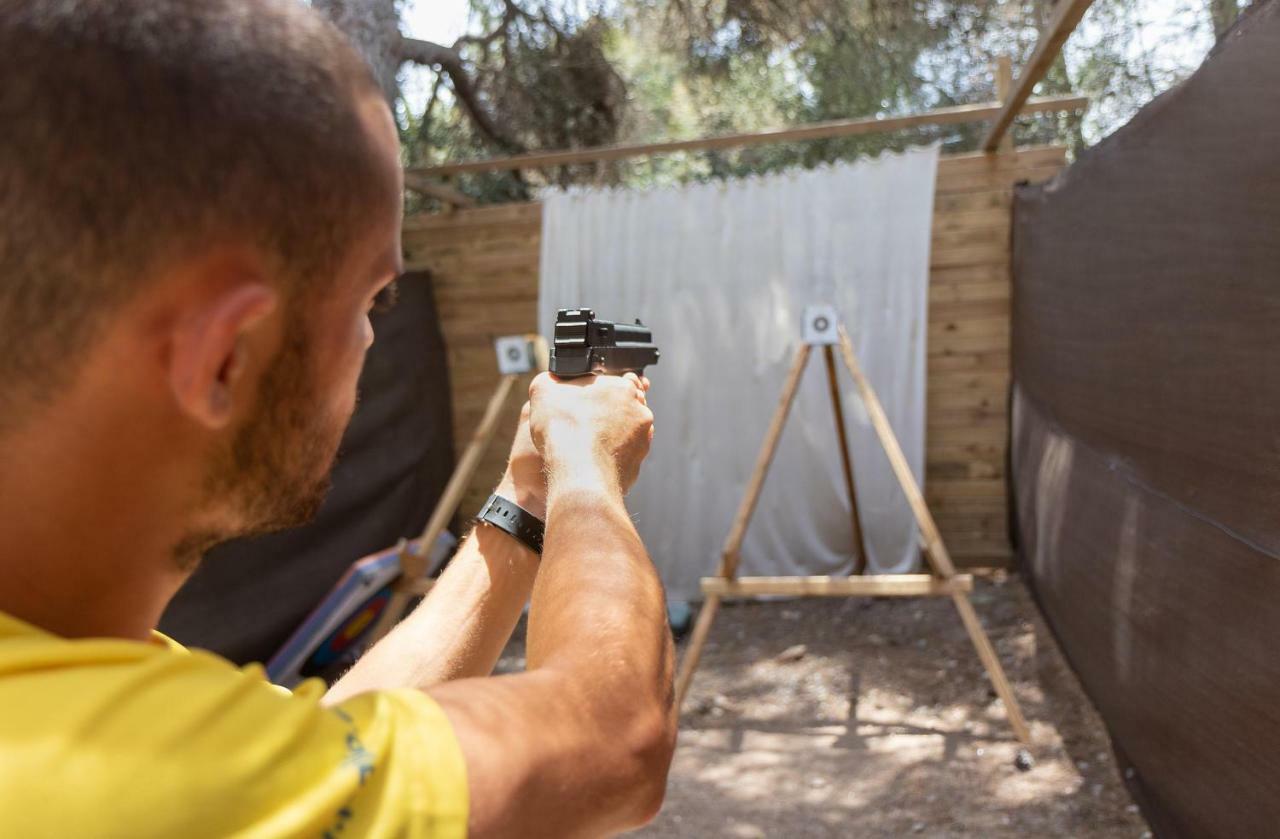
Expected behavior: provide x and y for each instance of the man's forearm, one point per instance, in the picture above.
(598, 598)
(461, 627)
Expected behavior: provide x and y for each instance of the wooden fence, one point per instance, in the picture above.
(484, 264)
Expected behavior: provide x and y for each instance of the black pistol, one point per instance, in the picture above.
(583, 345)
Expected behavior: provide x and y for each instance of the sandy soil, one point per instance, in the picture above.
(857, 717)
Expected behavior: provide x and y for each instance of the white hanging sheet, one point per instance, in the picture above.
(722, 273)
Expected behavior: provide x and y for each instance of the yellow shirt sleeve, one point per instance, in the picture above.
(120, 739)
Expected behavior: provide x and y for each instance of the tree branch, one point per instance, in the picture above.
(450, 62)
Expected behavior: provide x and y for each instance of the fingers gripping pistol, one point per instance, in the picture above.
(583, 345)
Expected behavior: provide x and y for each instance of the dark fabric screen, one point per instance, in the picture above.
(248, 596)
(1146, 450)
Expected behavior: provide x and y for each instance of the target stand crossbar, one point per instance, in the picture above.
(942, 581)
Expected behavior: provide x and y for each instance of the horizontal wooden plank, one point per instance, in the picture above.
(473, 266)
(441, 245)
(790, 134)
(982, 359)
(457, 257)
(508, 290)
(969, 469)
(466, 319)
(980, 308)
(953, 462)
(988, 181)
(941, 293)
(974, 326)
(992, 254)
(993, 450)
(962, 274)
(941, 505)
(497, 214)
(970, 236)
(979, 563)
(985, 539)
(982, 545)
(967, 400)
(983, 162)
(989, 522)
(878, 585)
(942, 343)
(938, 419)
(428, 236)
(466, 323)
(966, 488)
(996, 198)
(983, 217)
(482, 261)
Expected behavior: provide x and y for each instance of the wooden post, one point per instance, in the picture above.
(412, 563)
(689, 664)
(935, 550)
(1004, 86)
(1066, 14)
(860, 545)
(731, 554)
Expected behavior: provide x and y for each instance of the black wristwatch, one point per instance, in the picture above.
(510, 517)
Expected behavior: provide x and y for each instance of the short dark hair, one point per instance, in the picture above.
(132, 131)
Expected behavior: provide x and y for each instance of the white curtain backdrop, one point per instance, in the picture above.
(722, 273)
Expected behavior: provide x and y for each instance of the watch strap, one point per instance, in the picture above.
(513, 519)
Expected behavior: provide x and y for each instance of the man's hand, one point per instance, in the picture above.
(592, 421)
(525, 482)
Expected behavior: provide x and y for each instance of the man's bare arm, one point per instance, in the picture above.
(461, 627)
(579, 745)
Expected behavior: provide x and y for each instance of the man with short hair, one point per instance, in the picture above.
(200, 202)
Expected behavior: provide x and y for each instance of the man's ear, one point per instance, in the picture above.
(211, 349)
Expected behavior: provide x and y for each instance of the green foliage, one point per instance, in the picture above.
(646, 70)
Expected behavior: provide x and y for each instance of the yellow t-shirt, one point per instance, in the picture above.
(111, 738)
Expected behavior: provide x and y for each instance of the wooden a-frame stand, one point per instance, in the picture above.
(943, 581)
(413, 560)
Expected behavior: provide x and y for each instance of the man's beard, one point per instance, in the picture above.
(276, 472)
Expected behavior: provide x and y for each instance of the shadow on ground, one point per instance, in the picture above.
(885, 726)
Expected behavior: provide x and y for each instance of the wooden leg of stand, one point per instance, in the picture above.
(732, 545)
(411, 563)
(935, 550)
(860, 545)
(897, 460)
(699, 638)
(991, 662)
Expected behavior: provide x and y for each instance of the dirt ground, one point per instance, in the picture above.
(883, 724)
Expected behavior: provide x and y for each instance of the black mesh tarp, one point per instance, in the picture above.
(1146, 450)
(248, 596)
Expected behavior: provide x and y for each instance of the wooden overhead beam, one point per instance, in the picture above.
(878, 585)
(1066, 15)
(439, 191)
(813, 131)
